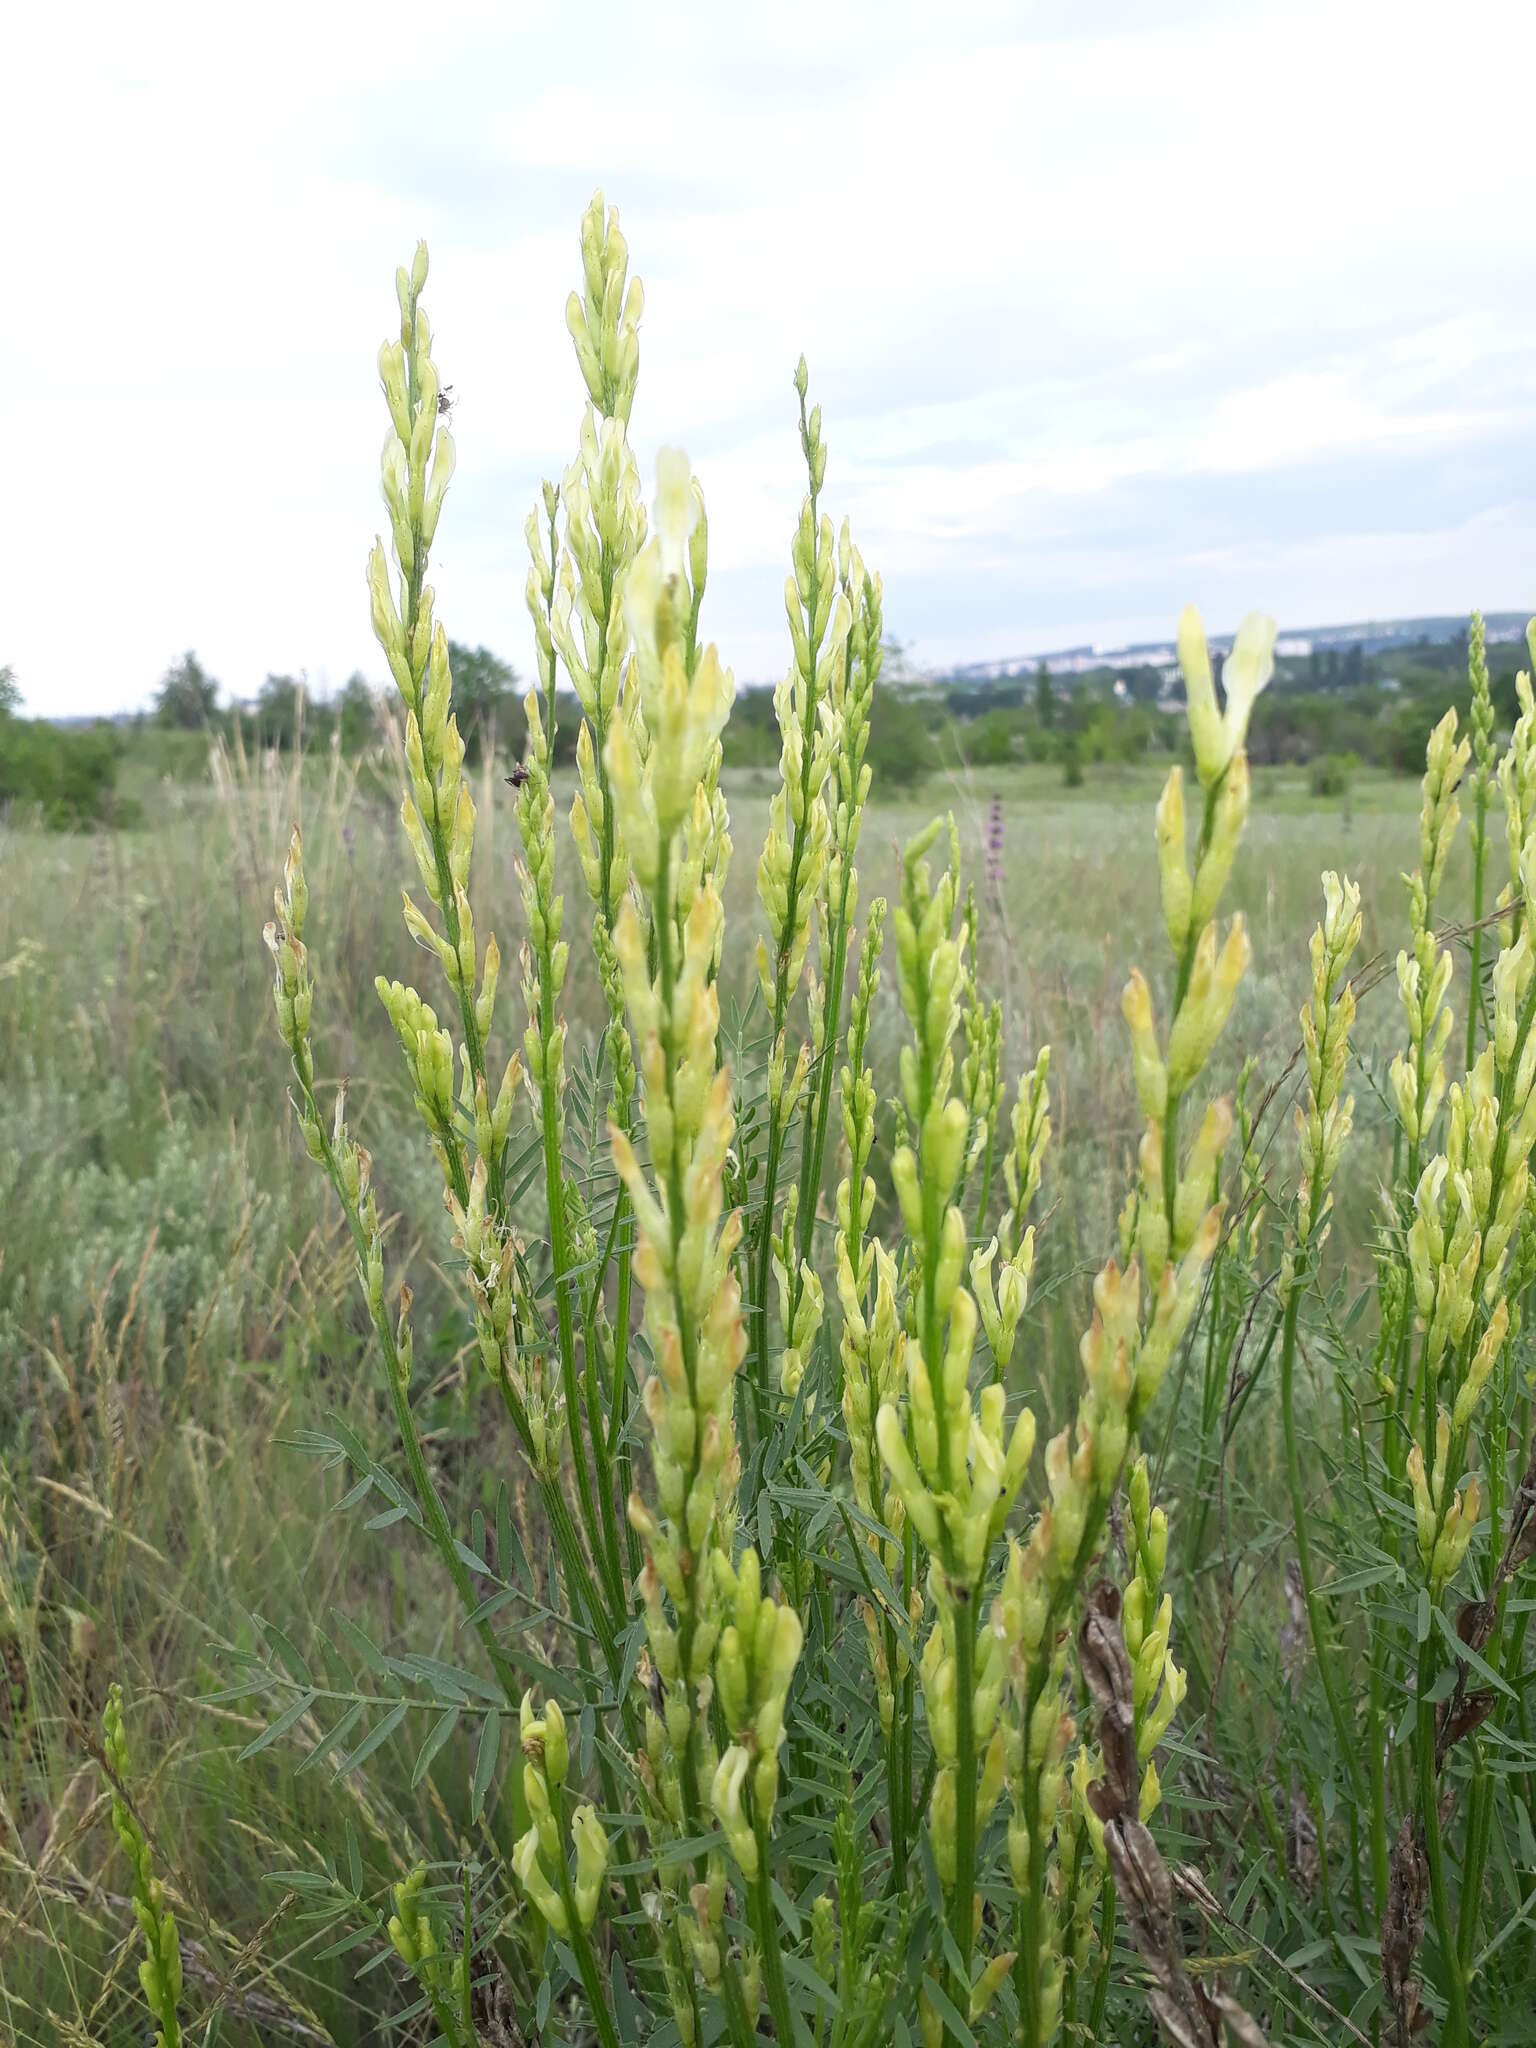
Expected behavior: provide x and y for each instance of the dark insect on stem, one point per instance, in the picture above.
(518, 777)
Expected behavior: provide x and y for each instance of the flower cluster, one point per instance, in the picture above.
(756, 1660)
(1325, 1026)
(437, 814)
(567, 1902)
(845, 722)
(1170, 1230)
(1424, 972)
(684, 1257)
(443, 1976)
(954, 1461)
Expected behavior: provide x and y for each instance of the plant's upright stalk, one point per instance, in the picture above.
(957, 1490)
(1024, 1161)
(852, 693)
(792, 865)
(349, 1169)
(1323, 1129)
(544, 958)
(1169, 1228)
(1485, 751)
(578, 612)
(872, 1352)
(437, 811)
(1157, 1692)
(980, 1073)
(1469, 1204)
(569, 1902)
(663, 757)
(160, 1971)
(1424, 975)
(444, 1978)
(1252, 1201)
(759, 1649)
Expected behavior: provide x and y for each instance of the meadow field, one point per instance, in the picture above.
(179, 1318)
(959, 1468)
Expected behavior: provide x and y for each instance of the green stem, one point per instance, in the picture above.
(405, 1421)
(738, 2022)
(591, 1981)
(559, 1247)
(1479, 1826)
(765, 1924)
(962, 1911)
(1107, 1944)
(1380, 1865)
(814, 1130)
(781, 989)
(1316, 1620)
(603, 1475)
(1479, 861)
(898, 1793)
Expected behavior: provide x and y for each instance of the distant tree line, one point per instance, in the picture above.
(1327, 711)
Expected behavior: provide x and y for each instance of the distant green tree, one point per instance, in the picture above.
(10, 691)
(987, 742)
(901, 748)
(187, 695)
(1045, 696)
(357, 714)
(280, 711)
(486, 700)
(1144, 683)
(1332, 774)
(752, 738)
(66, 774)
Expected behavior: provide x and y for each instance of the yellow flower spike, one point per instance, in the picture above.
(444, 462)
(985, 1989)
(993, 1774)
(387, 627)
(915, 1497)
(1173, 861)
(726, 1798)
(1208, 1001)
(1245, 673)
(1146, 1055)
(392, 378)
(1455, 1535)
(538, 1890)
(1483, 1361)
(1205, 724)
(591, 1861)
(1195, 1188)
(1230, 816)
(678, 509)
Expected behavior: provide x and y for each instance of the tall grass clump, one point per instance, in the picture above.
(826, 1702)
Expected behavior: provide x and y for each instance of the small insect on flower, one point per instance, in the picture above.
(518, 776)
(446, 402)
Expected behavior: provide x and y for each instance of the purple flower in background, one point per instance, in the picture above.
(992, 845)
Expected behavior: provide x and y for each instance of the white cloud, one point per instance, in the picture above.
(1098, 300)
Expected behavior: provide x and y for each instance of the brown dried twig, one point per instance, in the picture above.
(1191, 2015)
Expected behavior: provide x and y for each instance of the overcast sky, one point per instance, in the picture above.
(1108, 306)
